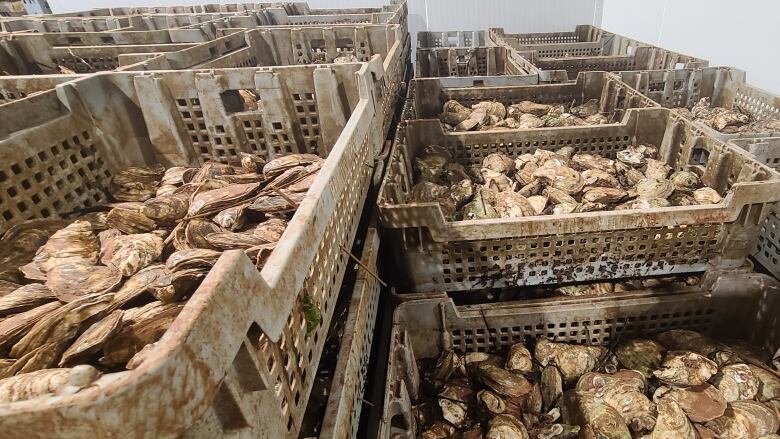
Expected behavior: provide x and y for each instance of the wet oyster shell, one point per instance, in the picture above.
(685, 340)
(519, 359)
(656, 169)
(502, 381)
(72, 281)
(496, 109)
(595, 177)
(506, 426)
(768, 383)
(499, 162)
(745, 419)
(454, 412)
(47, 381)
(596, 289)
(14, 327)
(523, 107)
(551, 386)
(490, 402)
(604, 195)
(644, 356)
(496, 180)
(585, 408)
(25, 298)
(130, 253)
(650, 188)
(427, 192)
(136, 183)
(672, 422)
(279, 165)
(445, 366)
(166, 209)
(439, 430)
(91, 341)
(700, 403)
(736, 382)
(594, 162)
(572, 360)
(144, 329)
(685, 180)
(462, 192)
(129, 221)
(431, 163)
(707, 195)
(513, 205)
(563, 178)
(216, 200)
(454, 113)
(557, 196)
(483, 206)
(75, 243)
(682, 368)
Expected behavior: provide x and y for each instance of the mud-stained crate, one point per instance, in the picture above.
(461, 255)
(458, 38)
(46, 24)
(239, 360)
(287, 45)
(471, 61)
(345, 402)
(425, 327)
(426, 97)
(725, 87)
(13, 88)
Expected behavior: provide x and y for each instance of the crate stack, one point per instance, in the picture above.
(84, 96)
(473, 286)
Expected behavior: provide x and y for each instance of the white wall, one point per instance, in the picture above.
(743, 34)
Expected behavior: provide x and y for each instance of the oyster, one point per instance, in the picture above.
(523, 107)
(232, 218)
(572, 360)
(74, 244)
(496, 180)
(47, 381)
(627, 175)
(519, 359)
(493, 108)
(215, 200)
(685, 180)
(681, 368)
(625, 395)
(14, 327)
(271, 230)
(91, 341)
(700, 403)
(560, 177)
(564, 208)
(129, 221)
(594, 162)
(589, 108)
(136, 183)
(445, 365)
(706, 195)
(527, 122)
(656, 169)
(595, 289)
(462, 192)
(196, 232)
(672, 422)
(601, 420)
(557, 196)
(513, 205)
(685, 340)
(233, 240)
(439, 430)
(279, 165)
(167, 209)
(141, 330)
(595, 177)
(502, 381)
(251, 163)
(453, 412)
(427, 192)
(768, 383)
(557, 431)
(130, 253)
(506, 426)
(483, 205)
(551, 386)
(192, 258)
(632, 156)
(641, 203)
(604, 195)
(644, 356)
(650, 188)
(745, 419)
(490, 402)
(736, 382)
(72, 281)
(25, 298)
(277, 204)
(454, 113)
(499, 162)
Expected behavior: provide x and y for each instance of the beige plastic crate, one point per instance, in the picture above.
(238, 361)
(455, 256)
(423, 328)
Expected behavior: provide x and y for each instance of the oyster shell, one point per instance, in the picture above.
(271, 230)
(440, 373)
(454, 412)
(72, 281)
(25, 298)
(685, 340)
(74, 244)
(427, 192)
(47, 381)
(145, 328)
(560, 177)
(233, 240)
(627, 175)
(131, 253)
(529, 107)
(513, 205)
(136, 183)
(604, 195)
(196, 231)
(672, 422)
(768, 383)
(736, 382)
(641, 203)
(129, 221)
(496, 180)
(531, 189)
(632, 156)
(439, 430)
(506, 426)
(215, 200)
(14, 327)
(595, 177)
(277, 204)
(232, 218)
(279, 165)
(564, 208)
(589, 108)
(656, 169)
(649, 188)
(251, 163)
(685, 180)
(499, 162)
(519, 359)
(551, 386)
(166, 209)
(490, 402)
(454, 113)
(682, 368)
(700, 403)
(594, 162)
(192, 258)
(502, 381)
(491, 108)
(483, 205)
(572, 360)
(745, 419)
(462, 192)
(707, 195)
(644, 356)
(595, 289)
(557, 196)
(601, 420)
(91, 341)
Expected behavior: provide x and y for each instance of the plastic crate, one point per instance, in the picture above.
(239, 359)
(13, 88)
(586, 40)
(423, 328)
(54, 24)
(427, 96)
(459, 38)
(475, 61)
(725, 86)
(456, 256)
(287, 45)
(345, 401)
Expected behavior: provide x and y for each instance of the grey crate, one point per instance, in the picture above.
(462, 255)
(424, 327)
(458, 38)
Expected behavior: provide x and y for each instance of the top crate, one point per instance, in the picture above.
(460, 38)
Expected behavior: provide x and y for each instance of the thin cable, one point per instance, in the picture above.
(663, 20)
(427, 24)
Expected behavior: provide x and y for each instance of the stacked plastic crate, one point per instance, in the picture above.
(92, 93)
(482, 283)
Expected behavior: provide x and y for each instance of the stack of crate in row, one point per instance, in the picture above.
(85, 95)
(518, 269)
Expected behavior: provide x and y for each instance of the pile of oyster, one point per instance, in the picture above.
(680, 385)
(92, 294)
(728, 121)
(491, 115)
(553, 183)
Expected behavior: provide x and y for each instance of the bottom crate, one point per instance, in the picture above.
(423, 328)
